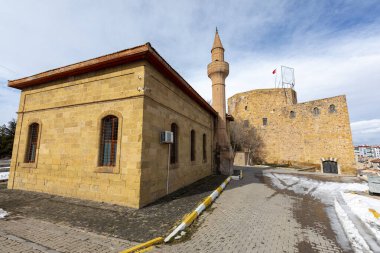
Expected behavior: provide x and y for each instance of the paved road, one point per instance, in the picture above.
(26, 235)
(250, 216)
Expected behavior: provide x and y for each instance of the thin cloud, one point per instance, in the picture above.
(333, 46)
(367, 131)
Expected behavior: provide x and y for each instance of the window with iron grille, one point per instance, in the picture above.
(204, 148)
(265, 121)
(174, 145)
(32, 143)
(192, 145)
(108, 144)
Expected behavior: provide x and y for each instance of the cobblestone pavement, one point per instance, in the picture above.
(131, 224)
(250, 216)
(30, 235)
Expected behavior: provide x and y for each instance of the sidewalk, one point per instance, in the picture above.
(251, 216)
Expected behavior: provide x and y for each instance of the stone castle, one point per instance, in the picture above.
(91, 130)
(314, 133)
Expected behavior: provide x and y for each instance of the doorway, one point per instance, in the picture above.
(330, 167)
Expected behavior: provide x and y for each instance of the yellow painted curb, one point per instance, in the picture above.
(190, 218)
(141, 246)
(376, 214)
(145, 249)
(207, 201)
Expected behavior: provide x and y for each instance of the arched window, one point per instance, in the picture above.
(316, 111)
(32, 143)
(192, 145)
(292, 114)
(332, 109)
(204, 148)
(174, 146)
(108, 143)
(246, 107)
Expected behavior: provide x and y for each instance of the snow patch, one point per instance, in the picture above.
(324, 191)
(360, 206)
(357, 241)
(3, 213)
(4, 175)
(333, 195)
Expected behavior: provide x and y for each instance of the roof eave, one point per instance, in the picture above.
(142, 52)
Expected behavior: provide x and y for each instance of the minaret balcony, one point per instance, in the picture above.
(218, 67)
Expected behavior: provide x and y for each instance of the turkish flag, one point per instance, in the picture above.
(274, 71)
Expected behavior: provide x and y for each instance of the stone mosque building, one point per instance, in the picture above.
(91, 130)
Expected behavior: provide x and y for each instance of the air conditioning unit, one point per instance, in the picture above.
(166, 137)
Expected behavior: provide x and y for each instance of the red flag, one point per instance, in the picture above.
(274, 71)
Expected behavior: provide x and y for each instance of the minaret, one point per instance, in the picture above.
(217, 71)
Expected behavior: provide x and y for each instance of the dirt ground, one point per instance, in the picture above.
(131, 224)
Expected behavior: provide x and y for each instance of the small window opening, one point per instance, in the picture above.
(108, 145)
(192, 145)
(265, 121)
(332, 109)
(32, 143)
(204, 148)
(174, 145)
(316, 111)
(292, 114)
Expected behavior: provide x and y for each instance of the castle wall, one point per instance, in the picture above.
(165, 104)
(305, 139)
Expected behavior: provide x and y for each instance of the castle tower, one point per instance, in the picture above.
(217, 71)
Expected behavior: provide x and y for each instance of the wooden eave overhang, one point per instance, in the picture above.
(143, 52)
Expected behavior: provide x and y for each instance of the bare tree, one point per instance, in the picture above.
(244, 137)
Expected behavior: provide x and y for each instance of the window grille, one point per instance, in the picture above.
(32, 143)
(192, 148)
(204, 148)
(174, 146)
(265, 121)
(108, 146)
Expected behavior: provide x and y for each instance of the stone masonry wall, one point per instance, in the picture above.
(305, 139)
(69, 112)
(165, 104)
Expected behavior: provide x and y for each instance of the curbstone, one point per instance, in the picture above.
(187, 220)
(200, 208)
(141, 246)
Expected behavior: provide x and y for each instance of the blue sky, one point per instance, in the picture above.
(334, 46)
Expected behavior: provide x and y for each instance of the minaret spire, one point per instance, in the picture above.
(217, 41)
(217, 71)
